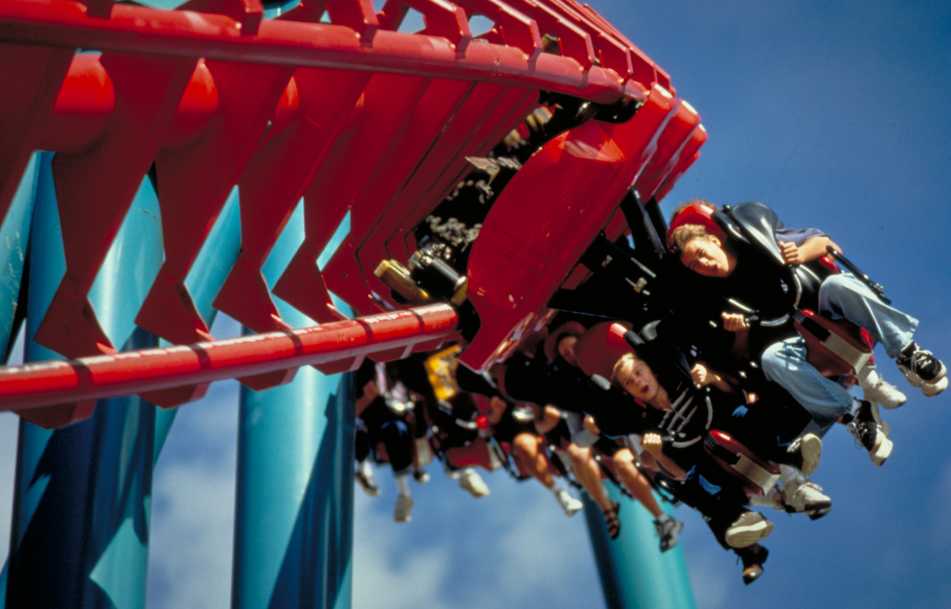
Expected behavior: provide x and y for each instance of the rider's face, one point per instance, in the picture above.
(566, 348)
(706, 256)
(639, 381)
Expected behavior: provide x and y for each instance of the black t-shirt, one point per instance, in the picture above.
(534, 379)
(616, 413)
(756, 284)
(693, 411)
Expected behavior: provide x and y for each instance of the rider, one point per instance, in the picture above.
(551, 374)
(744, 253)
(382, 410)
(676, 412)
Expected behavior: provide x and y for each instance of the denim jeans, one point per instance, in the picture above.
(841, 296)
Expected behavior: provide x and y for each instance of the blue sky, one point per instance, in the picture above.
(836, 115)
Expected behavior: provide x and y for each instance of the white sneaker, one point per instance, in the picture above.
(805, 496)
(569, 504)
(809, 449)
(364, 477)
(404, 508)
(471, 481)
(878, 390)
(773, 499)
(748, 529)
(424, 453)
(867, 428)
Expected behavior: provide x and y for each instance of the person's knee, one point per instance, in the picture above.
(773, 361)
(525, 444)
(577, 453)
(836, 289)
(623, 457)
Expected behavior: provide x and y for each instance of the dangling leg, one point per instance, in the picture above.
(846, 297)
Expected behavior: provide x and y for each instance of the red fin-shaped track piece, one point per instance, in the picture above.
(349, 365)
(427, 121)
(274, 182)
(91, 210)
(38, 73)
(57, 417)
(266, 381)
(193, 183)
(341, 180)
(171, 398)
(378, 139)
(486, 117)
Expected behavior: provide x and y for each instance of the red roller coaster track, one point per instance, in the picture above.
(331, 104)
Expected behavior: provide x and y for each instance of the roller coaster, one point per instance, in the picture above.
(151, 162)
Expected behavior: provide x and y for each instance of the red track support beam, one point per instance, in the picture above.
(135, 29)
(60, 382)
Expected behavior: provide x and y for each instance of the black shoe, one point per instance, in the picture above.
(753, 557)
(923, 369)
(870, 433)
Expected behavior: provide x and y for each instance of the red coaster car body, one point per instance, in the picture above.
(546, 218)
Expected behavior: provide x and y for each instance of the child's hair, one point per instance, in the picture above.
(691, 220)
(684, 234)
(624, 363)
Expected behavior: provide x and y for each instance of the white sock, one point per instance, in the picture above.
(402, 483)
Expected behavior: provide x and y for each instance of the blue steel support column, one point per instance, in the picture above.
(14, 238)
(294, 518)
(81, 512)
(14, 241)
(634, 574)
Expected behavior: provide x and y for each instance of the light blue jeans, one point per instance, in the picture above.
(841, 296)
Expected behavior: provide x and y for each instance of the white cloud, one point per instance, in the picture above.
(387, 573)
(513, 548)
(9, 427)
(9, 423)
(193, 506)
(191, 537)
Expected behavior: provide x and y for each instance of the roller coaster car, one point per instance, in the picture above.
(545, 220)
(837, 348)
(756, 475)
